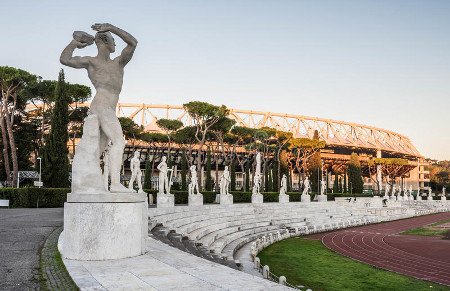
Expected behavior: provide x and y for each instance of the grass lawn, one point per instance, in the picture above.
(429, 230)
(309, 263)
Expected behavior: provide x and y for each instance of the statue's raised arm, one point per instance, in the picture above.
(128, 51)
(80, 40)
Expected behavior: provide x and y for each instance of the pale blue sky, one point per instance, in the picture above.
(381, 63)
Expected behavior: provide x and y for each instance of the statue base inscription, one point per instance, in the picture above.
(165, 200)
(104, 226)
(195, 200)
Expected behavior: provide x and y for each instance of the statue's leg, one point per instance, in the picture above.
(130, 185)
(139, 180)
(161, 184)
(110, 126)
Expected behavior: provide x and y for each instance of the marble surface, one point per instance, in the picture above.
(195, 200)
(165, 200)
(103, 231)
(257, 198)
(163, 268)
(305, 198)
(283, 198)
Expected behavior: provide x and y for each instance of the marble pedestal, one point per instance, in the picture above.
(443, 198)
(195, 200)
(104, 226)
(418, 197)
(226, 199)
(283, 198)
(305, 198)
(392, 197)
(257, 198)
(430, 198)
(400, 198)
(322, 198)
(165, 200)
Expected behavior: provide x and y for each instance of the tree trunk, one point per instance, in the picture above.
(5, 147)
(12, 143)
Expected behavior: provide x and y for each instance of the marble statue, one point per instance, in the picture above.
(106, 75)
(257, 197)
(386, 190)
(322, 187)
(283, 197)
(443, 191)
(194, 199)
(283, 188)
(193, 185)
(394, 192)
(102, 224)
(305, 197)
(135, 167)
(306, 186)
(225, 197)
(164, 180)
(410, 190)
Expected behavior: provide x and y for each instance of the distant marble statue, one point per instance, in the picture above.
(283, 188)
(136, 173)
(305, 197)
(225, 197)
(306, 186)
(430, 194)
(394, 192)
(164, 180)
(410, 194)
(257, 197)
(443, 191)
(194, 199)
(386, 190)
(193, 185)
(322, 187)
(283, 197)
(106, 75)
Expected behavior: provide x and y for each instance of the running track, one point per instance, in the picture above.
(381, 245)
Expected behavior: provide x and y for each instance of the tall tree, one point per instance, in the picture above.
(204, 116)
(148, 175)
(184, 171)
(208, 182)
(12, 82)
(354, 174)
(169, 126)
(55, 160)
(315, 169)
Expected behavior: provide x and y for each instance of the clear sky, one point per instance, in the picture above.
(381, 63)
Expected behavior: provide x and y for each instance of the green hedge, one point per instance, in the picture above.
(33, 197)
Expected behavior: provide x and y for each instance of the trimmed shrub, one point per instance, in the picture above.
(35, 197)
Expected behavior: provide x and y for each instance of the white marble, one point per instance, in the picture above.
(321, 198)
(165, 200)
(195, 199)
(163, 268)
(305, 198)
(283, 198)
(226, 199)
(224, 182)
(136, 173)
(104, 231)
(102, 125)
(257, 198)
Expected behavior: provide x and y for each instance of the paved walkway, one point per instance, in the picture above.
(163, 268)
(22, 233)
(381, 245)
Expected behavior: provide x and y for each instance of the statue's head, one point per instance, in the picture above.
(226, 168)
(105, 39)
(193, 168)
(164, 158)
(136, 154)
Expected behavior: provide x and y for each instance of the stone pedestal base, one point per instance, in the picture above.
(322, 198)
(195, 200)
(226, 199)
(104, 226)
(399, 198)
(392, 197)
(430, 198)
(305, 198)
(443, 198)
(418, 197)
(283, 198)
(257, 198)
(165, 200)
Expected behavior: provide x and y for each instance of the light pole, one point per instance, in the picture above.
(40, 171)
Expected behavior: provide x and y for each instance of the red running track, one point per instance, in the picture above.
(381, 245)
